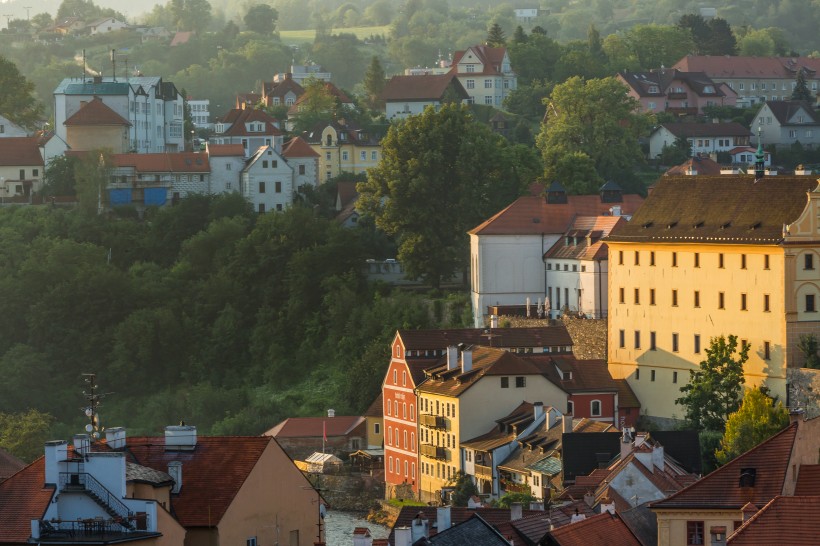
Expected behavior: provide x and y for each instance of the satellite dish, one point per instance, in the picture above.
(89, 428)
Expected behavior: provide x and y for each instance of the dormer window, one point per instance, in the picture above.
(654, 89)
(708, 89)
(747, 477)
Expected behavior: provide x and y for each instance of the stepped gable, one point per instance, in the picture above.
(725, 209)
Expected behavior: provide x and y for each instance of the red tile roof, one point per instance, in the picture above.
(587, 375)
(490, 57)
(313, 427)
(594, 227)
(213, 472)
(237, 118)
(282, 88)
(701, 165)
(226, 150)
(691, 129)
(626, 396)
(494, 516)
(9, 464)
(20, 151)
(376, 409)
(785, 521)
(426, 87)
(181, 37)
(183, 162)
(808, 480)
(95, 112)
(297, 147)
(721, 488)
(758, 68)
(23, 497)
(532, 215)
(601, 530)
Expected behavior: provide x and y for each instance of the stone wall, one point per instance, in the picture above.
(349, 492)
(589, 336)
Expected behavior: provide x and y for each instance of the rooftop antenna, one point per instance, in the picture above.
(93, 398)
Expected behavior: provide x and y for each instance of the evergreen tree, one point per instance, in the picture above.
(374, 83)
(757, 419)
(496, 36)
(801, 88)
(714, 390)
(519, 36)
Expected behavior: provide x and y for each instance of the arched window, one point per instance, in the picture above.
(595, 408)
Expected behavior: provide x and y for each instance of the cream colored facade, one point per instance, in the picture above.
(113, 137)
(339, 153)
(682, 295)
(464, 417)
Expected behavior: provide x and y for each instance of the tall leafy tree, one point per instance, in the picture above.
(801, 88)
(317, 104)
(261, 18)
(374, 83)
(91, 175)
(714, 390)
(758, 418)
(595, 120)
(721, 39)
(496, 36)
(17, 101)
(23, 434)
(440, 175)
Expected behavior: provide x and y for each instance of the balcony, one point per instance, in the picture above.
(434, 452)
(483, 472)
(673, 95)
(432, 421)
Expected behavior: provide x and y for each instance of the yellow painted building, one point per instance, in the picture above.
(707, 256)
(460, 399)
(344, 147)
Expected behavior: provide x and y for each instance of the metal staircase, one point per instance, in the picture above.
(113, 506)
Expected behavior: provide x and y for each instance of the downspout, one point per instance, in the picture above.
(599, 296)
(544, 259)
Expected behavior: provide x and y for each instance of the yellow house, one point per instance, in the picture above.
(458, 400)
(95, 125)
(344, 147)
(707, 256)
(713, 507)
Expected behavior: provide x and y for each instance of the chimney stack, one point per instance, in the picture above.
(442, 518)
(567, 421)
(331, 413)
(402, 536)
(56, 451)
(627, 436)
(115, 437)
(538, 410)
(175, 471)
(493, 321)
(516, 511)
(452, 357)
(466, 360)
(82, 444)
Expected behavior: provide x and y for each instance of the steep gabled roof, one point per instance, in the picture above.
(297, 147)
(214, 472)
(601, 530)
(23, 497)
(785, 110)
(426, 87)
(533, 528)
(473, 531)
(784, 520)
(315, 427)
(701, 166)
(721, 488)
(20, 151)
(732, 209)
(626, 396)
(238, 117)
(95, 112)
(376, 408)
(493, 516)
(490, 57)
(532, 215)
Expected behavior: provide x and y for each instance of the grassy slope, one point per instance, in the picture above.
(296, 37)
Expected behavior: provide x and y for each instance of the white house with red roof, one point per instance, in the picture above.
(21, 166)
(249, 127)
(576, 267)
(227, 162)
(507, 251)
(702, 138)
(485, 73)
(301, 436)
(304, 160)
(410, 95)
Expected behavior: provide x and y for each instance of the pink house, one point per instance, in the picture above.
(671, 90)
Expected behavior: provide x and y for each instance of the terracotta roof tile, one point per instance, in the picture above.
(314, 427)
(183, 162)
(588, 231)
(533, 215)
(9, 464)
(508, 338)
(490, 57)
(23, 497)
(297, 147)
(226, 150)
(701, 166)
(728, 67)
(691, 129)
(729, 209)
(376, 409)
(721, 488)
(808, 480)
(626, 396)
(426, 87)
(601, 530)
(238, 117)
(95, 112)
(587, 375)
(214, 472)
(20, 151)
(786, 521)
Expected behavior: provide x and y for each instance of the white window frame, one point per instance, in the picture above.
(592, 412)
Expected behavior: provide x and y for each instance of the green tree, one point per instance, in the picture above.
(261, 18)
(192, 15)
(519, 36)
(656, 45)
(23, 434)
(374, 83)
(316, 104)
(714, 390)
(508, 499)
(496, 36)
(91, 175)
(59, 176)
(463, 489)
(801, 88)
(722, 40)
(41, 21)
(808, 346)
(439, 176)
(594, 118)
(756, 420)
(17, 102)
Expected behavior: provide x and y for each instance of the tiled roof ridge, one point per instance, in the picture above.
(792, 428)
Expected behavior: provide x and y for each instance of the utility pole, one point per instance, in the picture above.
(28, 12)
